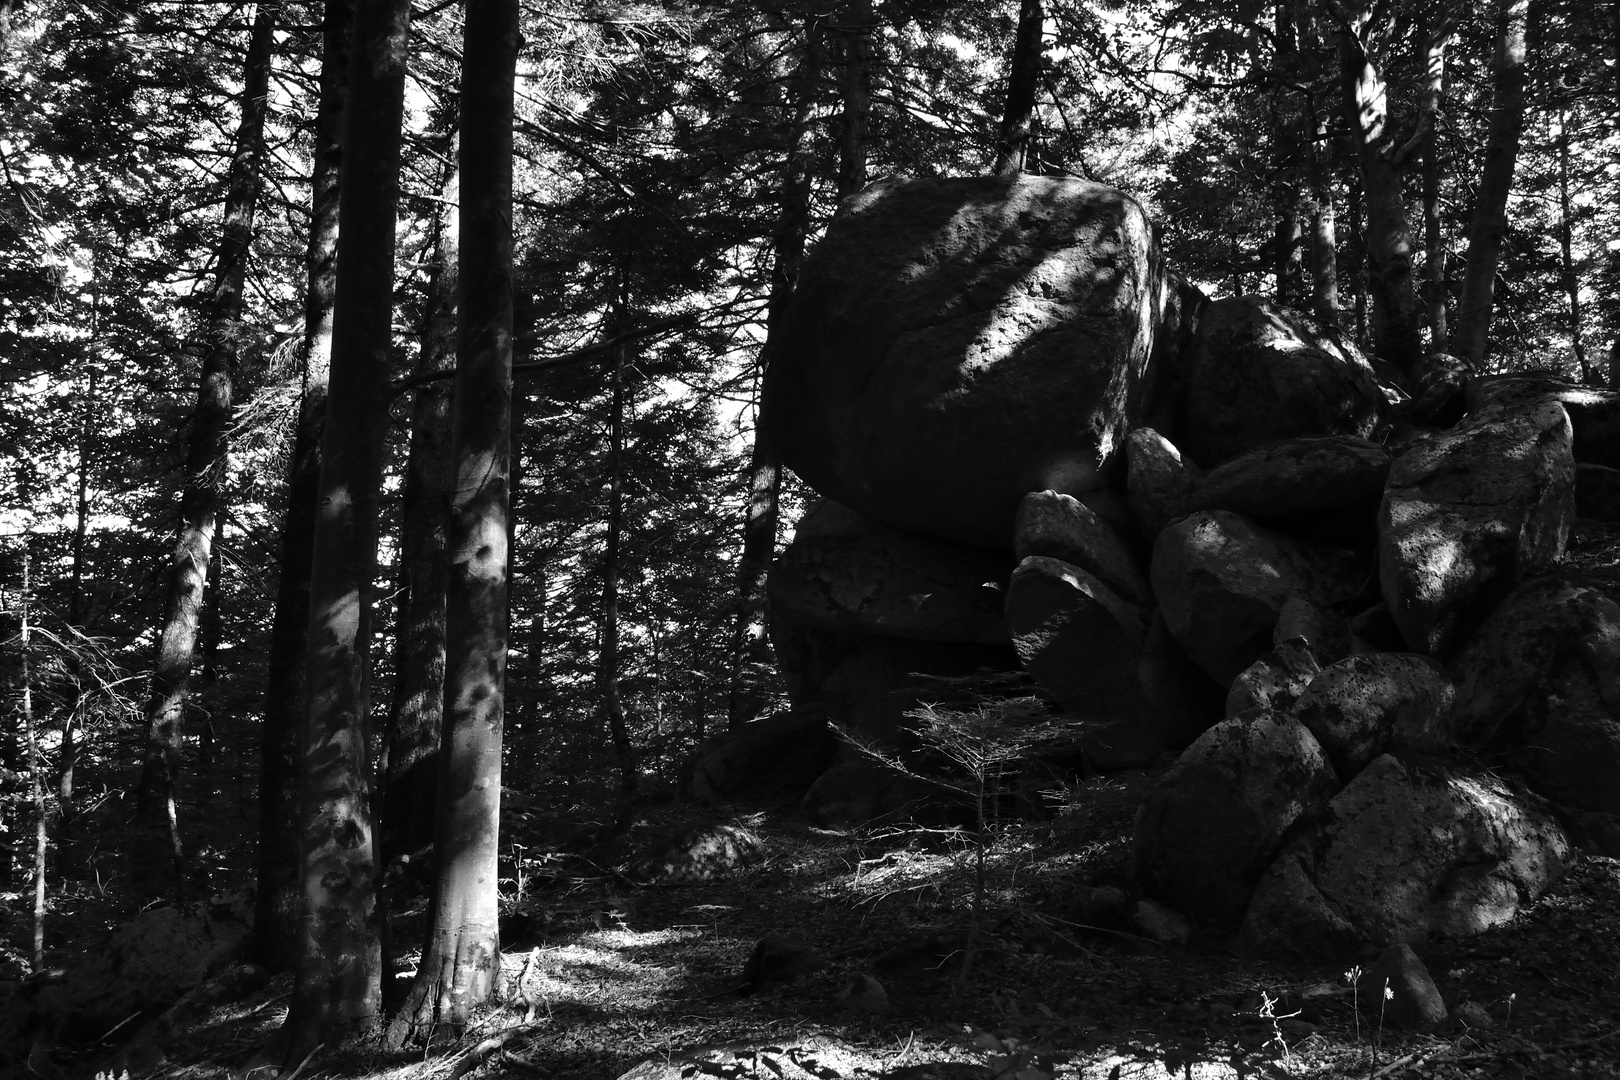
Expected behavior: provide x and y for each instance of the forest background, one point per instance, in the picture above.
(167, 224)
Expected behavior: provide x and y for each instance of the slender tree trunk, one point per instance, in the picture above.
(461, 960)
(1387, 238)
(338, 989)
(78, 605)
(857, 90)
(205, 455)
(209, 636)
(1358, 264)
(1023, 80)
(416, 718)
(1324, 240)
(277, 899)
(1572, 283)
(1285, 158)
(1434, 245)
(1489, 225)
(750, 638)
(31, 745)
(1425, 142)
(608, 670)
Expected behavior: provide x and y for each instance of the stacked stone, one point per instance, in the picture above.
(1209, 529)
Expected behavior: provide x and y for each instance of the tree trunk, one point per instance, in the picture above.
(277, 900)
(1023, 80)
(1358, 264)
(1572, 283)
(416, 717)
(1324, 242)
(608, 670)
(205, 454)
(1286, 158)
(857, 89)
(1489, 225)
(1423, 140)
(750, 638)
(208, 639)
(1434, 246)
(461, 960)
(1396, 311)
(36, 782)
(78, 606)
(338, 989)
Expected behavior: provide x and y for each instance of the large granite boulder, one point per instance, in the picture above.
(1185, 697)
(1438, 387)
(1468, 514)
(1274, 681)
(955, 343)
(1260, 373)
(1062, 527)
(1212, 823)
(1078, 638)
(1407, 851)
(843, 573)
(1539, 685)
(782, 753)
(868, 682)
(1221, 581)
(1297, 476)
(1158, 482)
(1594, 414)
(1362, 704)
(145, 964)
(1597, 493)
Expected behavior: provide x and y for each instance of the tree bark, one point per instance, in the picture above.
(461, 960)
(78, 605)
(857, 90)
(36, 782)
(337, 990)
(750, 639)
(277, 898)
(1396, 310)
(410, 776)
(1023, 80)
(1358, 264)
(1286, 158)
(1324, 254)
(1489, 226)
(205, 454)
(1434, 246)
(607, 675)
(1424, 142)
(1571, 280)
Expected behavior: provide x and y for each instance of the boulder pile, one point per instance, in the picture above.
(1216, 534)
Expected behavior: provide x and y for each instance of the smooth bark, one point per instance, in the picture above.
(1571, 279)
(856, 85)
(1287, 241)
(36, 782)
(204, 477)
(410, 773)
(1434, 248)
(1014, 136)
(461, 960)
(1324, 242)
(1488, 228)
(277, 899)
(337, 990)
(1396, 312)
(607, 672)
(750, 640)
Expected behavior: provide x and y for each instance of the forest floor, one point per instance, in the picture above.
(603, 976)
